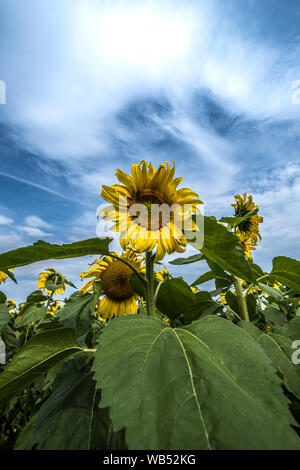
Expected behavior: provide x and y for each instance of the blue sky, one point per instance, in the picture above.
(97, 85)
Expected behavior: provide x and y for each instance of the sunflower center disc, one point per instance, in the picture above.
(155, 215)
(115, 281)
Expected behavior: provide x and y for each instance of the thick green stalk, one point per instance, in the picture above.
(150, 283)
(241, 299)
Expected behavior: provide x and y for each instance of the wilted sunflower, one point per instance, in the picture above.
(53, 278)
(247, 246)
(248, 230)
(119, 298)
(148, 210)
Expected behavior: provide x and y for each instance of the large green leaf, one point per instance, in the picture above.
(79, 310)
(70, 419)
(205, 386)
(41, 251)
(279, 349)
(223, 248)
(37, 356)
(287, 271)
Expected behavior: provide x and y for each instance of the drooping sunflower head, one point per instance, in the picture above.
(148, 210)
(51, 281)
(248, 229)
(247, 245)
(118, 297)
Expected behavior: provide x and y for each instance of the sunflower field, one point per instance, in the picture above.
(140, 359)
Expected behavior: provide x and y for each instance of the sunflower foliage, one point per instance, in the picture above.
(139, 359)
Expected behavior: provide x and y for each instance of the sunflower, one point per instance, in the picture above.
(119, 298)
(247, 246)
(48, 280)
(3, 276)
(162, 274)
(148, 210)
(52, 309)
(247, 230)
(20, 308)
(11, 305)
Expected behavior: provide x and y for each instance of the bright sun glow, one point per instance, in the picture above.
(141, 35)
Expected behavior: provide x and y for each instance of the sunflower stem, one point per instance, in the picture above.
(150, 284)
(241, 299)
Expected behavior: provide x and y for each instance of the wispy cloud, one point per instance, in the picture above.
(208, 84)
(5, 220)
(35, 232)
(34, 221)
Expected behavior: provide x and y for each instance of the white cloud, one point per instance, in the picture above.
(5, 220)
(34, 221)
(35, 232)
(107, 54)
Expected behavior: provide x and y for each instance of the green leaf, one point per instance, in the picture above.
(70, 419)
(232, 301)
(25, 439)
(275, 293)
(234, 221)
(223, 248)
(222, 279)
(41, 251)
(251, 305)
(291, 329)
(36, 297)
(203, 278)
(175, 298)
(279, 349)
(274, 316)
(205, 305)
(205, 386)
(2, 298)
(4, 317)
(137, 285)
(37, 356)
(31, 313)
(287, 271)
(79, 310)
(189, 260)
